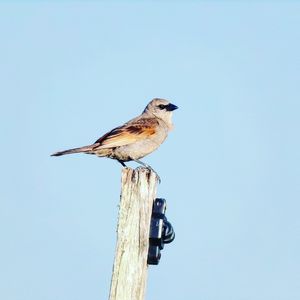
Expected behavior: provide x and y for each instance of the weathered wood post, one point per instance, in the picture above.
(130, 265)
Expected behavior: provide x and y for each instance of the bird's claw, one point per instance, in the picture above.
(150, 169)
(157, 176)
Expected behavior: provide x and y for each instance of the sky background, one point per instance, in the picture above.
(230, 170)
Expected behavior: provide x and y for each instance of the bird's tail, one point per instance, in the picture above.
(84, 149)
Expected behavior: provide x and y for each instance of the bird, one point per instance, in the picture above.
(136, 138)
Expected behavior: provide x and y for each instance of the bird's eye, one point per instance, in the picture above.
(161, 106)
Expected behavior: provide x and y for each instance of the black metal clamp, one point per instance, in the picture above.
(161, 231)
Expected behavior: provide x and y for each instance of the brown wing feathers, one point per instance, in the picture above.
(127, 134)
(120, 136)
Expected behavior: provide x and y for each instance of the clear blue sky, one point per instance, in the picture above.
(230, 169)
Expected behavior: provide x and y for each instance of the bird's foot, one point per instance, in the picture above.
(150, 169)
(157, 176)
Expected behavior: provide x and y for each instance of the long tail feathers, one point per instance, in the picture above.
(84, 149)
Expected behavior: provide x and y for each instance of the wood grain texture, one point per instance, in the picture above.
(130, 266)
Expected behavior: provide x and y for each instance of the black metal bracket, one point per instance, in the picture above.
(161, 231)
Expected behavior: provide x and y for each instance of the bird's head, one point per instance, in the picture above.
(161, 109)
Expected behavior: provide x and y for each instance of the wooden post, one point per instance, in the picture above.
(130, 266)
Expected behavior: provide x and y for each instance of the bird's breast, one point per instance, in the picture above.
(140, 148)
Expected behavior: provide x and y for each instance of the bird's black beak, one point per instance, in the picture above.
(171, 107)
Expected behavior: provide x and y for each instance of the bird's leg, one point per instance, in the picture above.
(148, 167)
(122, 163)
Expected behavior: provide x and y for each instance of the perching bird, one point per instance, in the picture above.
(136, 138)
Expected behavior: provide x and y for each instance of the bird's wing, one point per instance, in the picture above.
(129, 133)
